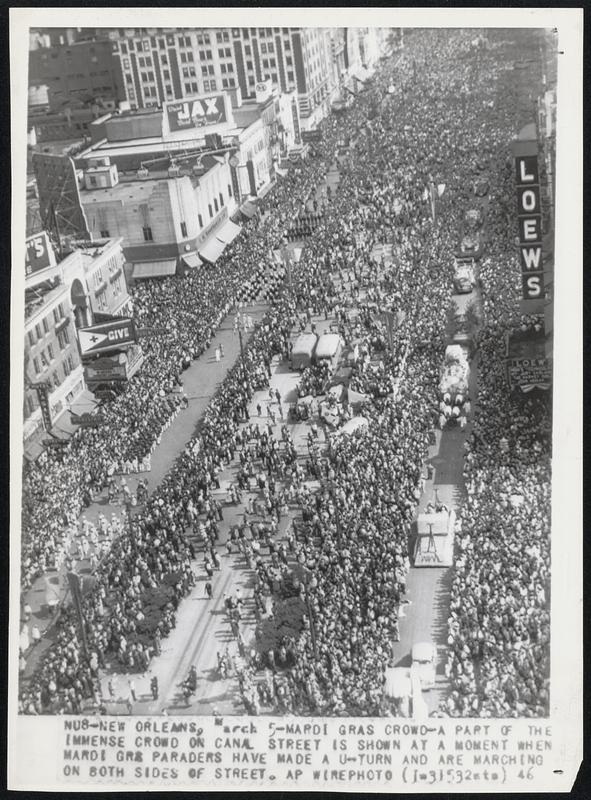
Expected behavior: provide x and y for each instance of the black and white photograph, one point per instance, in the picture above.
(286, 420)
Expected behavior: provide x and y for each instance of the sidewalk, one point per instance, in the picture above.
(200, 382)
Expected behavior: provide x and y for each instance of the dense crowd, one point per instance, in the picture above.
(351, 548)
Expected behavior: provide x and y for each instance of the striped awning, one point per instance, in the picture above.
(228, 232)
(212, 250)
(154, 269)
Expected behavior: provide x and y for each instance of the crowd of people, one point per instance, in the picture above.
(351, 550)
(499, 627)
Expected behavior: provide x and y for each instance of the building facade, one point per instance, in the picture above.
(167, 180)
(160, 64)
(84, 288)
(78, 72)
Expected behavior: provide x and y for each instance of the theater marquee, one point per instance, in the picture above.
(529, 211)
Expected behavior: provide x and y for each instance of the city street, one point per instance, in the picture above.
(200, 383)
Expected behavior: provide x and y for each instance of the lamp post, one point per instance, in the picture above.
(308, 582)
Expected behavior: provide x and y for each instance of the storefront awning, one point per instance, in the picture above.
(228, 232)
(212, 250)
(248, 209)
(154, 269)
(192, 260)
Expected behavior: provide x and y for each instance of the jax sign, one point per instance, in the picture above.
(112, 335)
(202, 111)
(529, 212)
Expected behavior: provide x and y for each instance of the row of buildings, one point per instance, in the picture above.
(80, 290)
(148, 149)
(75, 74)
(172, 174)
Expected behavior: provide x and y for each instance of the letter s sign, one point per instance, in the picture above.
(533, 287)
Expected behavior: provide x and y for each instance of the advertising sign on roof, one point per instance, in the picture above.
(108, 336)
(202, 111)
(39, 253)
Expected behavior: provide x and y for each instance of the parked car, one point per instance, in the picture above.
(423, 656)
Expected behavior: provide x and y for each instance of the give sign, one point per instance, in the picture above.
(529, 212)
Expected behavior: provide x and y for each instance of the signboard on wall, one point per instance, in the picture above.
(529, 212)
(105, 370)
(530, 373)
(107, 336)
(39, 253)
(263, 91)
(199, 112)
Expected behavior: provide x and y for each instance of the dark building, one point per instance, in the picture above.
(77, 73)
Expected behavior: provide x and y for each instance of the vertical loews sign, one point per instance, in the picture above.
(529, 212)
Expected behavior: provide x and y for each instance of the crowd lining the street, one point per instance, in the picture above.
(349, 555)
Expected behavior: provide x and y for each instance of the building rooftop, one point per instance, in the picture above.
(38, 297)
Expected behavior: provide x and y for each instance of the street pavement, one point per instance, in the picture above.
(200, 383)
(425, 618)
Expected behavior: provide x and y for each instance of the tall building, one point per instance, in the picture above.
(160, 64)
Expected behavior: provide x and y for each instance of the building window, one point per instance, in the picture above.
(50, 351)
(63, 338)
(215, 203)
(212, 86)
(105, 233)
(221, 199)
(200, 218)
(36, 366)
(184, 229)
(38, 331)
(147, 231)
(45, 325)
(31, 338)
(229, 190)
(210, 211)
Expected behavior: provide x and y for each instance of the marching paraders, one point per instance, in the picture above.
(454, 409)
